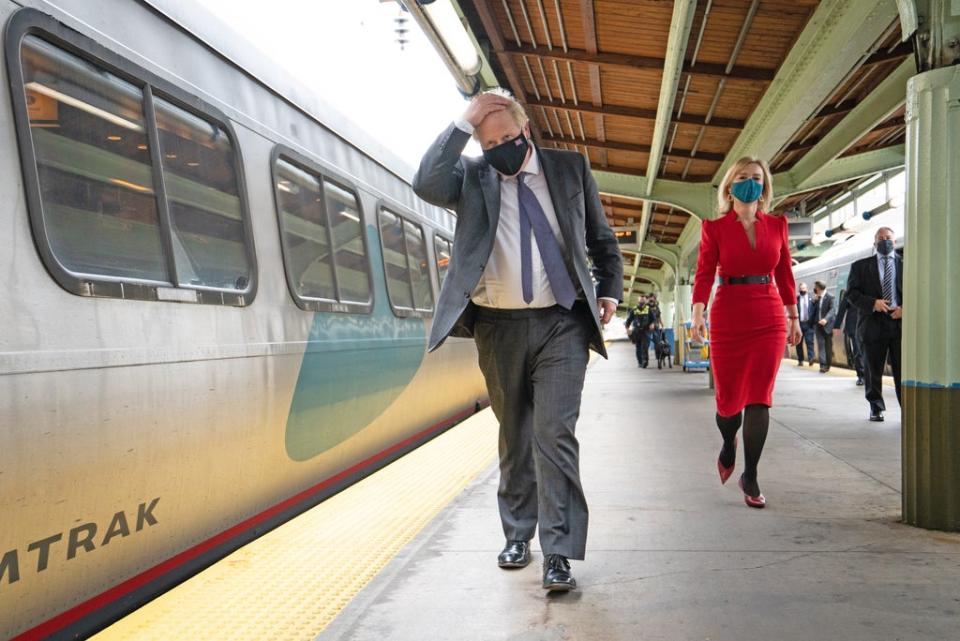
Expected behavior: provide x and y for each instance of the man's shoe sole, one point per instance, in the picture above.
(560, 587)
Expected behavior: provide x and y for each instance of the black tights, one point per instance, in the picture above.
(756, 422)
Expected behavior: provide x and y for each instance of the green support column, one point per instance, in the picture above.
(931, 325)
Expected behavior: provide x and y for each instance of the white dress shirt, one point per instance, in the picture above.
(804, 307)
(500, 284)
(893, 265)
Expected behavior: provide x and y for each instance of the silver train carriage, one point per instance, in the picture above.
(833, 269)
(218, 296)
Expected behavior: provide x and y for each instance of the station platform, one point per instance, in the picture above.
(410, 552)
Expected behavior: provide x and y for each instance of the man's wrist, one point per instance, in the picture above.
(464, 125)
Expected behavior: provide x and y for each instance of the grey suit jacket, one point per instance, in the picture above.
(471, 187)
(828, 312)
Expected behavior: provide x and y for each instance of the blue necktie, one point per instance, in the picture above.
(532, 217)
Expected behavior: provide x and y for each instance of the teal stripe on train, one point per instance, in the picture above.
(354, 367)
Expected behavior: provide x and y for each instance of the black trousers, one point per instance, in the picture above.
(881, 343)
(824, 347)
(806, 329)
(854, 350)
(643, 346)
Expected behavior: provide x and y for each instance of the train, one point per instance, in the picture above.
(833, 267)
(218, 298)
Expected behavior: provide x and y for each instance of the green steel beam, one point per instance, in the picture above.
(680, 25)
(841, 170)
(837, 36)
(694, 198)
(670, 257)
(872, 110)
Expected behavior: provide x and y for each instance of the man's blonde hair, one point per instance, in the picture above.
(723, 193)
(516, 109)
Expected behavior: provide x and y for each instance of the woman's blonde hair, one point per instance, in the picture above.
(723, 193)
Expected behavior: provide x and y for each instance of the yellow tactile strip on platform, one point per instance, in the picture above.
(292, 582)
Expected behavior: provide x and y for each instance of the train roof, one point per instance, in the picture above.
(856, 245)
(209, 29)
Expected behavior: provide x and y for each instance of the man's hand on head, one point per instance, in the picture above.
(482, 106)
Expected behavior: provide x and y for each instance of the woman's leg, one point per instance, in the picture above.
(728, 429)
(756, 422)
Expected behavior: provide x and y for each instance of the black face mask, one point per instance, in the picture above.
(508, 157)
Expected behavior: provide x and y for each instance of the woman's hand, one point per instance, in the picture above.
(793, 332)
(698, 328)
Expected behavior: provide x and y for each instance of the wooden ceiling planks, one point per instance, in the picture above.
(590, 77)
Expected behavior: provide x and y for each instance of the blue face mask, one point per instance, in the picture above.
(747, 191)
(885, 247)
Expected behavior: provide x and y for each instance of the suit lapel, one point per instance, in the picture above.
(873, 268)
(490, 186)
(559, 196)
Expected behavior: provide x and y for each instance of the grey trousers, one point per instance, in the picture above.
(534, 362)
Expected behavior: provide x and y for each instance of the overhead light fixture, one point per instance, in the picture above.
(447, 23)
(441, 25)
(114, 138)
(83, 106)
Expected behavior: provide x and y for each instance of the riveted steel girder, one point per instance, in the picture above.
(834, 40)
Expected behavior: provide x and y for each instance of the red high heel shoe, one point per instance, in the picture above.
(752, 501)
(726, 472)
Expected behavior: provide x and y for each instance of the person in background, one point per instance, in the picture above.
(638, 323)
(875, 288)
(805, 309)
(847, 316)
(519, 283)
(750, 252)
(825, 316)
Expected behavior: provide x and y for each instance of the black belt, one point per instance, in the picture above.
(746, 280)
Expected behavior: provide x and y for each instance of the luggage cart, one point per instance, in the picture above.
(696, 355)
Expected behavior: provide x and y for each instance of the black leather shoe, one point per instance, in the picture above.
(556, 574)
(516, 554)
(876, 416)
(859, 382)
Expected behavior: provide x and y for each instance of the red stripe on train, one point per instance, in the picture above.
(90, 606)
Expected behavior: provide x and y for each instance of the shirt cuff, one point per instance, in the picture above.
(615, 301)
(463, 125)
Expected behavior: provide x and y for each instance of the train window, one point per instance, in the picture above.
(395, 260)
(93, 166)
(350, 251)
(129, 194)
(200, 180)
(442, 248)
(419, 265)
(305, 235)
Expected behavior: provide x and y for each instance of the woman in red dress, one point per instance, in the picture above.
(748, 250)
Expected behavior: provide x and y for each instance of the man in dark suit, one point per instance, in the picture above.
(847, 316)
(520, 285)
(805, 310)
(824, 315)
(875, 288)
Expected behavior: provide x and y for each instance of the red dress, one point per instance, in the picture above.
(748, 329)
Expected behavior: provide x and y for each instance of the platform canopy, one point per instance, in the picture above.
(663, 96)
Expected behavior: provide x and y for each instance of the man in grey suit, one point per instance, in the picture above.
(825, 314)
(520, 285)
